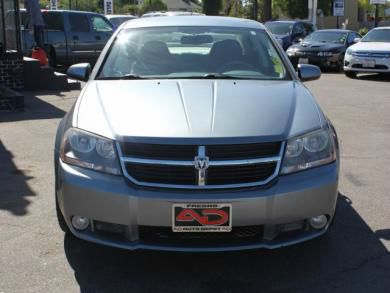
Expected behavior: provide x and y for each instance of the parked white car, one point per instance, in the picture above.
(371, 54)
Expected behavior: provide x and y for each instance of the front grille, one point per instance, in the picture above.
(381, 67)
(382, 55)
(220, 175)
(159, 151)
(162, 174)
(188, 152)
(243, 151)
(165, 236)
(194, 167)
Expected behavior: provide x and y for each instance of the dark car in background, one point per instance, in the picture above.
(70, 36)
(289, 32)
(325, 48)
(117, 19)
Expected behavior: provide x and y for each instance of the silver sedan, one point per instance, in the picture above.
(195, 134)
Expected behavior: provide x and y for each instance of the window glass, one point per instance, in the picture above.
(54, 21)
(99, 24)
(78, 23)
(327, 37)
(299, 29)
(378, 35)
(193, 52)
(279, 28)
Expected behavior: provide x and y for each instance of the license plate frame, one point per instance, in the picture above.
(201, 217)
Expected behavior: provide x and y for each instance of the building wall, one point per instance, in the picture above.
(11, 71)
(351, 13)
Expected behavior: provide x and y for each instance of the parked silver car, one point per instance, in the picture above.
(195, 134)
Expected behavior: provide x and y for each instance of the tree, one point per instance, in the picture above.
(212, 7)
(152, 5)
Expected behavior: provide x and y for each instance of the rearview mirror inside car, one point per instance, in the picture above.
(196, 39)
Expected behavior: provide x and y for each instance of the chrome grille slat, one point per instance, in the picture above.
(218, 174)
(363, 54)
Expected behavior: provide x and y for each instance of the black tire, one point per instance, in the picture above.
(341, 64)
(51, 57)
(61, 219)
(350, 74)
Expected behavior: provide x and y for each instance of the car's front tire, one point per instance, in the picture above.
(350, 74)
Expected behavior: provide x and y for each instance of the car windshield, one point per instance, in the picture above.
(327, 37)
(279, 28)
(193, 52)
(378, 35)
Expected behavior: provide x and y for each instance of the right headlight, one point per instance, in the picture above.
(348, 52)
(307, 151)
(87, 150)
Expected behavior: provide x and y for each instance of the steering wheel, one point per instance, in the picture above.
(233, 66)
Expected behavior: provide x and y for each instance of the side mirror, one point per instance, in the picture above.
(356, 40)
(308, 72)
(79, 71)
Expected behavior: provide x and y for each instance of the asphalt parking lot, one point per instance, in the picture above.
(35, 256)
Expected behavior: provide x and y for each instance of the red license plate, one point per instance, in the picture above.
(202, 217)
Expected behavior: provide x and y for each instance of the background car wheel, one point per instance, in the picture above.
(61, 219)
(350, 74)
(341, 64)
(52, 58)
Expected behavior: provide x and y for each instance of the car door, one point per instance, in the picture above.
(55, 37)
(81, 40)
(102, 30)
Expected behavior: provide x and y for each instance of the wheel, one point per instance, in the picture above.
(61, 219)
(51, 57)
(341, 64)
(350, 74)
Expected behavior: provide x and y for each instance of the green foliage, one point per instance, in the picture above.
(298, 8)
(363, 31)
(212, 7)
(152, 5)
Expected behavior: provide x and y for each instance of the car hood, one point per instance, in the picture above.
(268, 110)
(371, 46)
(317, 46)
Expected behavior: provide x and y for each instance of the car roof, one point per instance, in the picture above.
(289, 21)
(119, 15)
(193, 20)
(382, 27)
(63, 10)
(334, 31)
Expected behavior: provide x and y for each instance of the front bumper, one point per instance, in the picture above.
(356, 64)
(112, 200)
(321, 61)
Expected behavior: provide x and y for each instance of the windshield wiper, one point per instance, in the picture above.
(211, 76)
(123, 77)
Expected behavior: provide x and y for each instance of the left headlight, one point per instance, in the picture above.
(87, 150)
(311, 150)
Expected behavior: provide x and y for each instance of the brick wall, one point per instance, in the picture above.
(11, 71)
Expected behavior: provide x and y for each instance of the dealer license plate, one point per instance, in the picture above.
(202, 217)
(368, 63)
(303, 61)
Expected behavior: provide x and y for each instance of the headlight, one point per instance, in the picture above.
(349, 52)
(308, 151)
(87, 150)
(291, 52)
(325, 54)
